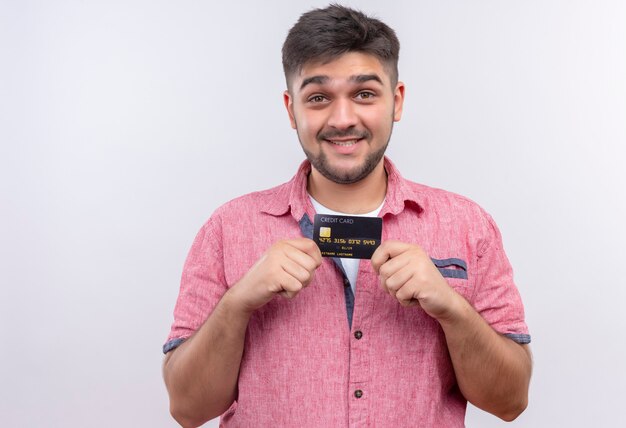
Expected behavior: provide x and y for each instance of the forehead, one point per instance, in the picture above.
(344, 68)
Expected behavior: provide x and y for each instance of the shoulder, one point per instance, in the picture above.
(440, 200)
(245, 210)
(445, 207)
(259, 201)
(434, 203)
(249, 207)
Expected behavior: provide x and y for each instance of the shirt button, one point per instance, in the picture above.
(358, 334)
(358, 393)
(346, 282)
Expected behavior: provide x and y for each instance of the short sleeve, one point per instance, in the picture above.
(202, 284)
(496, 298)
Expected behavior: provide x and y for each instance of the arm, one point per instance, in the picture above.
(201, 374)
(492, 371)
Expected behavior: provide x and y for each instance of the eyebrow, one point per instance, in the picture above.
(362, 78)
(359, 78)
(319, 80)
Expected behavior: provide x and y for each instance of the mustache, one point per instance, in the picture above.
(351, 133)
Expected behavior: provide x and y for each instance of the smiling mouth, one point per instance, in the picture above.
(344, 143)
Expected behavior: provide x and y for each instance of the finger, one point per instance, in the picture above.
(407, 301)
(301, 258)
(379, 258)
(307, 246)
(391, 266)
(399, 279)
(389, 269)
(407, 294)
(386, 251)
(296, 271)
(291, 286)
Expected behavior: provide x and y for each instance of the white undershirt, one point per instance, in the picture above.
(351, 266)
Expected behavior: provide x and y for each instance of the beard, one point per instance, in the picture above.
(341, 176)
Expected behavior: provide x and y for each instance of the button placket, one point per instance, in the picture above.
(359, 346)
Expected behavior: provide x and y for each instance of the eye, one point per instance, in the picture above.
(365, 95)
(317, 99)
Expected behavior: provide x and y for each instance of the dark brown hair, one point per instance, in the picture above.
(325, 34)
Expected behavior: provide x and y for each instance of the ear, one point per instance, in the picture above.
(289, 106)
(398, 101)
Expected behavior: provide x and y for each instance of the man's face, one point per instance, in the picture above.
(343, 112)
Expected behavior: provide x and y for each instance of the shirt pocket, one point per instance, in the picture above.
(454, 270)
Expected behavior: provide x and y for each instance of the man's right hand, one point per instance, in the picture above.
(285, 269)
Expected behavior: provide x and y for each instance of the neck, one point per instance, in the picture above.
(357, 198)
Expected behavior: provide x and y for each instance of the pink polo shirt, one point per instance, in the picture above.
(303, 365)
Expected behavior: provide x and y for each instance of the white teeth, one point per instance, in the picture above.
(344, 143)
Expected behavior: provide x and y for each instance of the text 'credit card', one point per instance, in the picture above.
(347, 236)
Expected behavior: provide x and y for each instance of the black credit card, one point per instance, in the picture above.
(347, 236)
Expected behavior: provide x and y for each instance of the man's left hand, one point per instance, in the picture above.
(407, 273)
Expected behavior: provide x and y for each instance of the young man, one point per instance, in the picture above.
(402, 339)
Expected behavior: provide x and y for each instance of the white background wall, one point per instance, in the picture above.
(124, 124)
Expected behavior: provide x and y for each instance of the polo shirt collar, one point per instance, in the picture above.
(399, 192)
(293, 196)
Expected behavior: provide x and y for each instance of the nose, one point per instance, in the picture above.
(342, 114)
